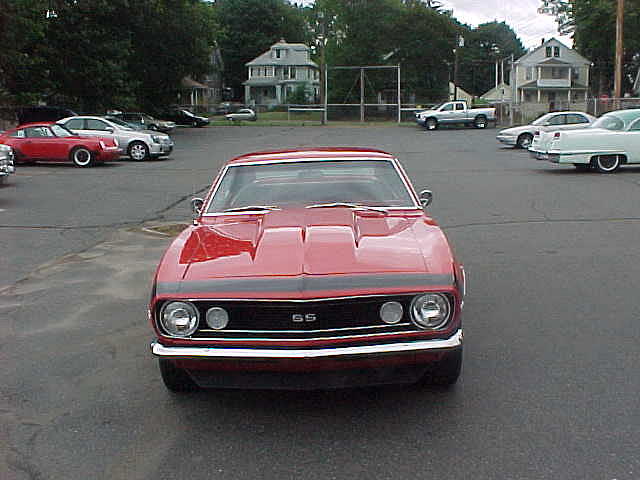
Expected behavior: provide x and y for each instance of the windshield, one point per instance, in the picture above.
(60, 131)
(188, 113)
(609, 122)
(369, 182)
(542, 120)
(120, 123)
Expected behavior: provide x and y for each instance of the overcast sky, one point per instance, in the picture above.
(521, 15)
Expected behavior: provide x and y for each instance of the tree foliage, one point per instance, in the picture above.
(97, 54)
(484, 46)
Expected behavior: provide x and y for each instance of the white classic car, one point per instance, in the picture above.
(611, 141)
(522, 136)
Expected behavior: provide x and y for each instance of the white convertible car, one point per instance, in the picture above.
(612, 140)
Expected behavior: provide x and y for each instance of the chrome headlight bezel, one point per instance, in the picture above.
(441, 314)
(179, 326)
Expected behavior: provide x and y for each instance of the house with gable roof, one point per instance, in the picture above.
(550, 77)
(277, 73)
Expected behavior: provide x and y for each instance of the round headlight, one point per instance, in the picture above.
(217, 318)
(179, 318)
(430, 311)
(391, 312)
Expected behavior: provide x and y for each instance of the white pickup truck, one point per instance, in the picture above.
(455, 113)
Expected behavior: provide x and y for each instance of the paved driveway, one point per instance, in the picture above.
(550, 380)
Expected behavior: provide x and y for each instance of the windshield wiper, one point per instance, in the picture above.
(348, 205)
(249, 208)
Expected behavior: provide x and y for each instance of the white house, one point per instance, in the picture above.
(459, 94)
(275, 74)
(550, 77)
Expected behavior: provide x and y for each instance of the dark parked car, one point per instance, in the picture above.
(42, 114)
(182, 116)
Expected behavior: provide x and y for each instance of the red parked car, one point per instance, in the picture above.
(50, 142)
(309, 268)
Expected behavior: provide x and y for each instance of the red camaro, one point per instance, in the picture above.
(309, 268)
(49, 142)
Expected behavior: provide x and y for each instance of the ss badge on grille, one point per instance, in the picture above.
(307, 317)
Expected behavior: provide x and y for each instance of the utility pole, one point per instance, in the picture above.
(459, 44)
(323, 66)
(617, 82)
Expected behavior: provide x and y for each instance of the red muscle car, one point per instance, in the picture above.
(311, 268)
(49, 142)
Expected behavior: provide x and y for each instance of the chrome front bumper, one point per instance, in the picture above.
(307, 353)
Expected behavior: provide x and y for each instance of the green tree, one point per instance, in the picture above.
(249, 28)
(484, 45)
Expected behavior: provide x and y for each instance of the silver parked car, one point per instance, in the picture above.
(6, 162)
(242, 114)
(521, 137)
(137, 144)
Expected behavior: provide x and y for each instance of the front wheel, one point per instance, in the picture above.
(174, 378)
(480, 121)
(430, 124)
(524, 141)
(81, 157)
(138, 151)
(606, 163)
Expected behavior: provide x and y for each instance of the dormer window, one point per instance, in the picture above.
(556, 51)
(548, 52)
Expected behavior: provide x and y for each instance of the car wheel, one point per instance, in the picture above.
(138, 151)
(446, 372)
(606, 163)
(524, 141)
(194, 123)
(480, 121)
(174, 378)
(81, 157)
(582, 167)
(430, 124)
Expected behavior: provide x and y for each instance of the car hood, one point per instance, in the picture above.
(337, 248)
(518, 130)
(427, 112)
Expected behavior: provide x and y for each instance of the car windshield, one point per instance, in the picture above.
(120, 123)
(187, 113)
(319, 183)
(60, 131)
(609, 122)
(542, 120)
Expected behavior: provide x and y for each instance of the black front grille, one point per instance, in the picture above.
(343, 315)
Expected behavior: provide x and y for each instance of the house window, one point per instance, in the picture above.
(268, 72)
(548, 51)
(278, 53)
(292, 72)
(556, 51)
(529, 73)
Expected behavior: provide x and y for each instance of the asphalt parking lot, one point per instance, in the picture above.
(550, 382)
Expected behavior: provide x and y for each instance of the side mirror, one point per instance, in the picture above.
(109, 129)
(426, 197)
(196, 206)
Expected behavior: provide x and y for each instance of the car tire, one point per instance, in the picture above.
(524, 141)
(174, 378)
(480, 121)
(431, 124)
(138, 151)
(582, 167)
(606, 163)
(81, 157)
(446, 372)
(194, 124)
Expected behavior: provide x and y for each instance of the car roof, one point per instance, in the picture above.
(627, 115)
(315, 153)
(34, 124)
